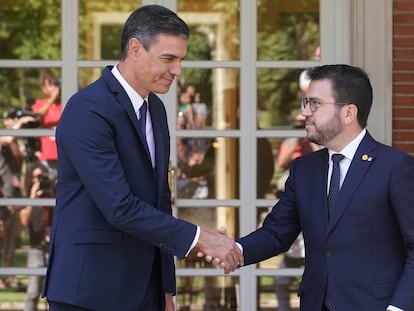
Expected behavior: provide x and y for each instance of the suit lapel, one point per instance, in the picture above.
(362, 161)
(125, 102)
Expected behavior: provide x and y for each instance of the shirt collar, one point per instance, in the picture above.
(133, 95)
(349, 150)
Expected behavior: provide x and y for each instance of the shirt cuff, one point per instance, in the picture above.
(392, 308)
(195, 241)
(239, 246)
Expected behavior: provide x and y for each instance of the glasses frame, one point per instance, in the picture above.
(314, 103)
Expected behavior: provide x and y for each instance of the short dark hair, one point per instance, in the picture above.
(147, 22)
(349, 85)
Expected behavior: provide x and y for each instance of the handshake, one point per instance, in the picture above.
(216, 247)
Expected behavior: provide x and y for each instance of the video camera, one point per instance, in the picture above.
(47, 185)
(18, 113)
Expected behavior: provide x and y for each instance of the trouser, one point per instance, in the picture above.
(36, 259)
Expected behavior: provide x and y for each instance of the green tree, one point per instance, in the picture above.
(29, 29)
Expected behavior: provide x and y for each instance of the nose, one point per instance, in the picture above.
(176, 68)
(306, 111)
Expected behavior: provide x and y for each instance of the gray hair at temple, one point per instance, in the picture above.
(149, 21)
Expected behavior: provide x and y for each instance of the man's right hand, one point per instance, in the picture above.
(221, 249)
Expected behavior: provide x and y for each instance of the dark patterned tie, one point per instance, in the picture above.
(335, 180)
(333, 193)
(143, 119)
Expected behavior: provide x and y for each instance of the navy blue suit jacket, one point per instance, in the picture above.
(113, 209)
(367, 247)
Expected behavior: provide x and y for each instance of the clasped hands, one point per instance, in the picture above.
(218, 248)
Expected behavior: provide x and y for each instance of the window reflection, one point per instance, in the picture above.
(30, 30)
(88, 75)
(280, 290)
(278, 94)
(287, 30)
(100, 23)
(265, 167)
(208, 99)
(207, 168)
(267, 298)
(207, 293)
(274, 157)
(214, 28)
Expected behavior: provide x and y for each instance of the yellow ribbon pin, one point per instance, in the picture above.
(365, 157)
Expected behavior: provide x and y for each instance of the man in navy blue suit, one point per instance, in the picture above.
(113, 237)
(360, 252)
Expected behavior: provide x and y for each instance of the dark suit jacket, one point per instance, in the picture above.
(113, 209)
(367, 247)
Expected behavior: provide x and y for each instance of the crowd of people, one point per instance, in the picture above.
(28, 169)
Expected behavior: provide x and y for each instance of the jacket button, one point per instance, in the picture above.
(329, 253)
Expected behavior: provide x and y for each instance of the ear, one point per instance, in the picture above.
(350, 113)
(134, 47)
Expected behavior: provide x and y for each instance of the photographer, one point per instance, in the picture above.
(38, 220)
(28, 147)
(49, 111)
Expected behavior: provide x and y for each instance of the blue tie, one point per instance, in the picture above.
(334, 186)
(143, 119)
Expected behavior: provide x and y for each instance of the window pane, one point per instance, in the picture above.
(208, 99)
(20, 87)
(207, 293)
(19, 157)
(209, 218)
(30, 30)
(88, 75)
(207, 168)
(287, 30)
(271, 293)
(214, 28)
(100, 26)
(266, 150)
(274, 157)
(278, 94)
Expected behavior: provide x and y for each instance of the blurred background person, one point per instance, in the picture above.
(49, 111)
(195, 174)
(199, 112)
(185, 118)
(37, 220)
(11, 160)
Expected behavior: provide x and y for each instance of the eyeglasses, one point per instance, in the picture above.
(314, 103)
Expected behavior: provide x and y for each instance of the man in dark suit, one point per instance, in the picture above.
(113, 237)
(360, 252)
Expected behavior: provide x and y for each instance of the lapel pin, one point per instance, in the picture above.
(365, 157)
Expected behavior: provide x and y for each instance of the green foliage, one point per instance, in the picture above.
(286, 36)
(30, 29)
